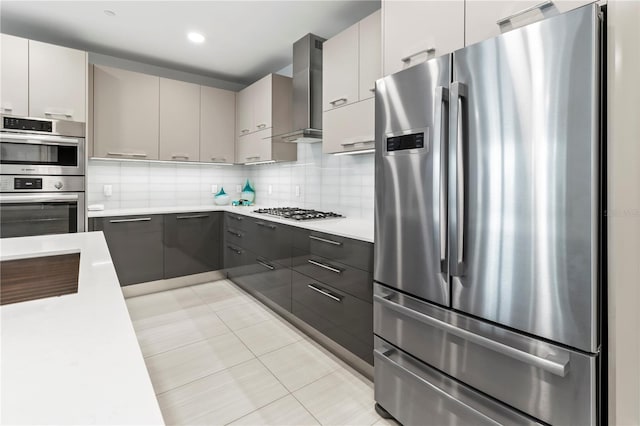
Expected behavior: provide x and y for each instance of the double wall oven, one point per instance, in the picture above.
(42, 176)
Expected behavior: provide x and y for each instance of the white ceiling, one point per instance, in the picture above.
(245, 40)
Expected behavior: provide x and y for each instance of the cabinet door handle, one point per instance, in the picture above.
(428, 51)
(266, 225)
(218, 160)
(327, 267)
(337, 101)
(266, 265)
(261, 126)
(59, 114)
(372, 90)
(235, 250)
(7, 109)
(324, 240)
(255, 157)
(234, 233)
(126, 154)
(324, 292)
(193, 216)
(185, 156)
(137, 219)
(539, 6)
(244, 130)
(364, 141)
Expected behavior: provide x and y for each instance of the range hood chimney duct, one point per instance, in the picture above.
(307, 91)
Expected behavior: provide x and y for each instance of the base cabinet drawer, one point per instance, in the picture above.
(267, 279)
(430, 397)
(343, 318)
(236, 260)
(136, 246)
(191, 243)
(358, 254)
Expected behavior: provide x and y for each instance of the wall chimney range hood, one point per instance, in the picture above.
(307, 91)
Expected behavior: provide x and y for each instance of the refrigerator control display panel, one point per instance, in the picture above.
(402, 142)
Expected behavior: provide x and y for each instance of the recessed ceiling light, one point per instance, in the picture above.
(195, 37)
(109, 12)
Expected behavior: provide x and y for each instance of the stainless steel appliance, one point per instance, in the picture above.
(489, 222)
(42, 182)
(296, 213)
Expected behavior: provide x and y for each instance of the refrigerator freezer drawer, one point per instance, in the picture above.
(429, 397)
(548, 382)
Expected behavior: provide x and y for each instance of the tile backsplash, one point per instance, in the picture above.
(344, 184)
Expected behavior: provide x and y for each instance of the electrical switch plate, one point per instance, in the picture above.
(270, 189)
(238, 188)
(214, 189)
(108, 190)
(297, 190)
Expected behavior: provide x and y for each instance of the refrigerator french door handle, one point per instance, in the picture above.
(458, 93)
(554, 365)
(442, 99)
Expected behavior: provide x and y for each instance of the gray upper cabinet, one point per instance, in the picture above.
(14, 88)
(179, 120)
(57, 82)
(125, 109)
(217, 118)
(192, 243)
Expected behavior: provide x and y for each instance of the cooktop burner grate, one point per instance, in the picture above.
(296, 213)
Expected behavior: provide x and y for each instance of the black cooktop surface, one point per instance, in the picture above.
(296, 213)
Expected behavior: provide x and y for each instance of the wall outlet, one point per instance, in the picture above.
(297, 190)
(270, 189)
(238, 188)
(214, 189)
(108, 190)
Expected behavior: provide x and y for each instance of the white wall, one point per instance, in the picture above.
(344, 184)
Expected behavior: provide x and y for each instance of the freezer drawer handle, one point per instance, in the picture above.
(540, 6)
(324, 292)
(428, 51)
(324, 240)
(327, 267)
(557, 367)
(266, 265)
(193, 216)
(137, 219)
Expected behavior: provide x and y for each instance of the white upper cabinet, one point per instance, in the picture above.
(14, 88)
(413, 31)
(125, 114)
(487, 19)
(179, 120)
(57, 82)
(340, 71)
(244, 112)
(217, 118)
(370, 63)
(262, 93)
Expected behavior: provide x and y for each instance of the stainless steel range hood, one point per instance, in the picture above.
(307, 91)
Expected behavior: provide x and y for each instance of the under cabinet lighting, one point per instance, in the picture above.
(364, 151)
(253, 163)
(161, 161)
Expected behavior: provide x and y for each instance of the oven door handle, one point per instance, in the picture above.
(38, 198)
(38, 139)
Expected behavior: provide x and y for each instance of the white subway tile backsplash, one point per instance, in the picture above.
(344, 184)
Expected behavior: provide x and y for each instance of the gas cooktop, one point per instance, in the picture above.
(296, 213)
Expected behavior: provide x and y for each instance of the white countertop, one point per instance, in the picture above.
(73, 359)
(359, 229)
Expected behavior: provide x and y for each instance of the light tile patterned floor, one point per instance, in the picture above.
(216, 356)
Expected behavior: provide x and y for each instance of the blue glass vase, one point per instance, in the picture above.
(221, 198)
(248, 193)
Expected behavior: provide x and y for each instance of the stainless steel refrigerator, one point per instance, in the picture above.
(489, 220)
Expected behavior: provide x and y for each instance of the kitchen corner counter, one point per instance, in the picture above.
(73, 359)
(359, 229)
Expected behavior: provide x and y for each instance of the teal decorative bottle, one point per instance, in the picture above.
(248, 193)
(221, 198)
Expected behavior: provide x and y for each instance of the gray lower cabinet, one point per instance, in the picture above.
(192, 243)
(136, 246)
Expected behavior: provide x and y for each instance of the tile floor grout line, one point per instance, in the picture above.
(186, 344)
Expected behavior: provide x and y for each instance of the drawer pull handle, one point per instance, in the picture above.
(266, 225)
(327, 267)
(261, 126)
(235, 250)
(234, 233)
(193, 216)
(555, 366)
(428, 51)
(238, 218)
(137, 219)
(218, 160)
(126, 154)
(60, 114)
(324, 292)
(324, 240)
(184, 156)
(540, 6)
(266, 265)
(244, 130)
(337, 101)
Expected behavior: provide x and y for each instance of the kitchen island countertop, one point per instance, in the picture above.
(73, 359)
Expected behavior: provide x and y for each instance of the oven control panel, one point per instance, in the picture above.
(15, 123)
(17, 183)
(27, 183)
